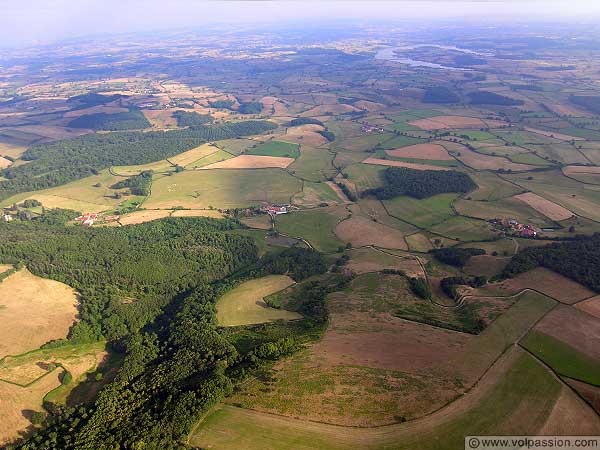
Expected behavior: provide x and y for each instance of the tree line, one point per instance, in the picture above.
(60, 162)
(420, 183)
(577, 259)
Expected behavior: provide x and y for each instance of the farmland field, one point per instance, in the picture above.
(222, 188)
(34, 311)
(328, 234)
(275, 148)
(422, 213)
(244, 304)
(316, 226)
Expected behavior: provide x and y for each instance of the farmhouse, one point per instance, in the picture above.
(515, 227)
(367, 128)
(87, 220)
(277, 210)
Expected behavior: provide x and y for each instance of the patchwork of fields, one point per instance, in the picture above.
(355, 246)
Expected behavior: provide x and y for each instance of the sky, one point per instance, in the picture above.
(27, 22)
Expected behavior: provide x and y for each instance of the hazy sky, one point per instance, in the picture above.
(23, 22)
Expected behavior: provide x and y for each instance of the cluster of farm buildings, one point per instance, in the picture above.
(87, 220)
(368, 128)
(515, 228)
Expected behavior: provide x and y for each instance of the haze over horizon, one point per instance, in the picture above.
(46, 23)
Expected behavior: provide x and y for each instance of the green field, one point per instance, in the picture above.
(518, 403)
(275, 148)
(508, 208)
(529, 158)
(423, 213)
(314, 164)
(563, 358)
(316, 226)
(244, 304)
(414, 114)
(234, 188)
(365, 176)
(474, 135)
(400, 141)
(491, 187)
(465, 229)
(235, 146)
(220, 155)
(314, 194)
(580, 198)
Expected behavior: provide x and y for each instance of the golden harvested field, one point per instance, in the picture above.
(244, 305)
(4, 163)
(554, 134)
(361, 231)
(157, 166)
(144, 215)
(308, 137)
(387, 162)
(16, 400)
(422, 151)
(546, 207)
(11, 150)
(251, 162)
(34, 311)
(193, 155)
(590, 306)
(235, 188)
(197, 213)
(442, 122)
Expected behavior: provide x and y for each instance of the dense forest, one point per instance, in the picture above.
(191, 119)
(578, 259)
(589, 102)
(221, 104)
(250, 108)
(420, 183)
(59, 162)
(92, 99)
(131, 120)
(137, 184)
(305, 121)
(491, 98)
(330, 136)
(150, 262)
(455, 256)
(177, 362)
(439, 94)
